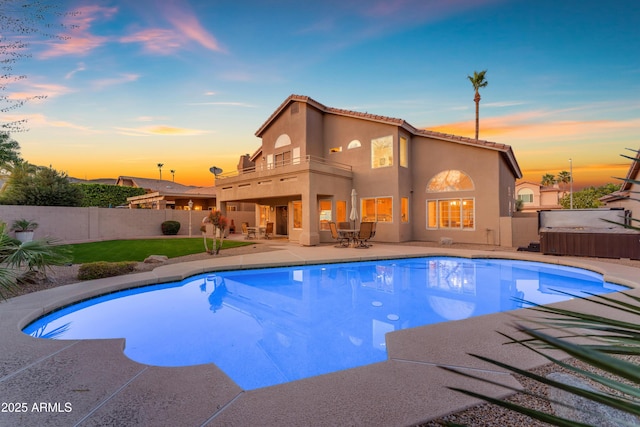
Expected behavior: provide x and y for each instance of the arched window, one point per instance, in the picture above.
(283, 140)
(526, 195)
(354, 144)
(450, 180)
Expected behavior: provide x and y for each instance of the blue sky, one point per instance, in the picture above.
(187, 83)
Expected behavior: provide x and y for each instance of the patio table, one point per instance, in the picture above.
(349, 233)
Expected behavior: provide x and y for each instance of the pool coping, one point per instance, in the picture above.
(91, 382)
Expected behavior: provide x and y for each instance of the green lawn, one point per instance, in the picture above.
(138, 250)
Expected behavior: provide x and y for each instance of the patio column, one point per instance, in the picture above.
(310, 235)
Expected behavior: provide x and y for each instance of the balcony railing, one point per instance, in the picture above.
(285, 165)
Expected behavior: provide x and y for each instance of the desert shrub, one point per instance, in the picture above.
(100, 269)
(170, 227)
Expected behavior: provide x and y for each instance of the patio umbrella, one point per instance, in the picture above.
(354, 209)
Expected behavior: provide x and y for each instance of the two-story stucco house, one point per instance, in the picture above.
(416, 184)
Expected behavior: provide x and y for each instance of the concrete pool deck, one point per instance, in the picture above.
(91, 382)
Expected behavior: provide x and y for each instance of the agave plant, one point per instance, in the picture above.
(609, 341)
(609, 337)
(26, 261)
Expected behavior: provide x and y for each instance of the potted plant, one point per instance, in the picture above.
(24, 229)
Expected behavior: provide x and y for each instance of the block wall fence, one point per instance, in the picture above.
(77, 225)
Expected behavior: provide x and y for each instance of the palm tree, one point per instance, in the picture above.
(22, 262)
(548, 180)
(564, 177)
(173, 175)
(478, 81)
(160, 165)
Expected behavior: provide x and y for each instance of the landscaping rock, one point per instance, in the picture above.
(156, 259)
(584, 410)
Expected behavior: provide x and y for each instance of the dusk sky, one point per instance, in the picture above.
(188, 83)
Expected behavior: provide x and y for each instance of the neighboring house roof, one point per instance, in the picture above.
(107, 181)
(506, 150)
(535, 184)
(165, 187)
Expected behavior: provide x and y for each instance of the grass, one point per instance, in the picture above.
(138, 250)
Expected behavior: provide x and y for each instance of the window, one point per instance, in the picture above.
(297, 214)
(354, 144)
(450, 180)
(283, 159)
(404, 152)
(325, 214)
(282, 141)
(341, 211)
(382, 152)
(404, 209)
(336, 150)
(378, 209)
(526, 195)
(451, 213)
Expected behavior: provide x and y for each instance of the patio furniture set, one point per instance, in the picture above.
(353, 237)
(253, 232)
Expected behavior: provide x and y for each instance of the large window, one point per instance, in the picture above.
(377, 209)
(451, 213)
(382, 152)
(325, 214)
(404, 152)
(297, 214)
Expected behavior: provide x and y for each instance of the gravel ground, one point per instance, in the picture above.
(481, 415)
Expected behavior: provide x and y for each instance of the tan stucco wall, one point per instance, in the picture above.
(73, 225)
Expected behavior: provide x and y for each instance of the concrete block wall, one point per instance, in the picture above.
(76, 225)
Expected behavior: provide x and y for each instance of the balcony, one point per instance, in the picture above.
(286, 167)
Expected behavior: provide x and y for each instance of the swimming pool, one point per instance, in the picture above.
(270, 326)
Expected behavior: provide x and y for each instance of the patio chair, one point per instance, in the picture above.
(268, 231)
(343, 241)
(247, 232)
(362, 239)
(373, 231)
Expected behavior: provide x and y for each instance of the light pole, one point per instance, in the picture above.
(190, 209)
(570, 184)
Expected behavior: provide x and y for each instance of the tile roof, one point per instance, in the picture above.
(506, 149)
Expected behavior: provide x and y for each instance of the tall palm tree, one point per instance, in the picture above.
(478, 81)
(548, 180)
(564, 177)
(160, 165)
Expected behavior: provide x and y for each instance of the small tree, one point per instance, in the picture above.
(219, 223)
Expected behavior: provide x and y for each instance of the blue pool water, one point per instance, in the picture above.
(270, 326)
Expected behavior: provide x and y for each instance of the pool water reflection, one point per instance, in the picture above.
(270, 326)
